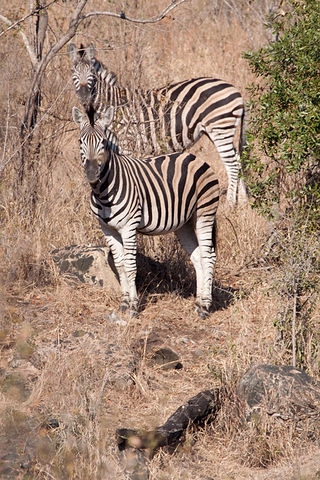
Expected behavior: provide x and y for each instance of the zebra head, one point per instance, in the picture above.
(84, 73)
(96, 141)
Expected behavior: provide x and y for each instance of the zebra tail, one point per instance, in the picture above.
(214, 235)
(242, 137)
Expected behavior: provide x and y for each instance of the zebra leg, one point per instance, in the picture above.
(230, 159)
(208, 260)
(129, 300)
(129, 239)
(205, 232)
(202, 258)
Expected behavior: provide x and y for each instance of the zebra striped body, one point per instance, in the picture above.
(169, 193)
(167, 119)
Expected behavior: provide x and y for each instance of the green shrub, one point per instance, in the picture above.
(282, 161)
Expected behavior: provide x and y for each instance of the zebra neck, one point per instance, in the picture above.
(106, 95)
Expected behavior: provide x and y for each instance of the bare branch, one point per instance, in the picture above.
(30, 51)
(76, 18)
(35, 11)
(123, 16)
(41, 66)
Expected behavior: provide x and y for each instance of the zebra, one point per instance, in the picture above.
(166, 119)
(156, 195)
(88, 74)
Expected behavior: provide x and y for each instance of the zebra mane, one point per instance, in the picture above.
(109, 78)
(111, 141)
(102, 73)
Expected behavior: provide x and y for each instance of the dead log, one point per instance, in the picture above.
(197, 411)
(136, 447)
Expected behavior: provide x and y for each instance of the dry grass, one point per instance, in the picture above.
(64, 359)
(69, 375)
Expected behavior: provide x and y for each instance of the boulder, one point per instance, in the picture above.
(280, 391)
(92, 265)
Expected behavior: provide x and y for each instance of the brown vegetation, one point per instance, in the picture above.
(71, 374)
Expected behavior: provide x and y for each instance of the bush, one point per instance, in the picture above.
(282, 159)
(282, 164)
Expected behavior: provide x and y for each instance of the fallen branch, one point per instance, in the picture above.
(199, 410)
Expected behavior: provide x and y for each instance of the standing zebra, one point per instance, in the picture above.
(167, 119)
(169, 193)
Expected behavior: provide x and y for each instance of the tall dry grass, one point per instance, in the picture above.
(69, 376)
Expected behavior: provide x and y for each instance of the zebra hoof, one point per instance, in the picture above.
(202, 311)
(124, 306)
(126, 309)
(133, 313)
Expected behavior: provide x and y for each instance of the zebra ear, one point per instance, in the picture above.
(107, 117)
(77, 116)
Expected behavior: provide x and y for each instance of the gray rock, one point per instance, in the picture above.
(88, 264)
(166, 358)
(280, 391)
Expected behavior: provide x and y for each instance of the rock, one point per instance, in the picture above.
(23, 446)
(51, 424)
(14, 387)
(88, 264)
(280, 391)
(166, 358)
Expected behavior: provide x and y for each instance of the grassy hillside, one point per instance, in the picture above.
(63, 359)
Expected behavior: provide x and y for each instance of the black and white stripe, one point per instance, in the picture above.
(168, 193)
(167, 119)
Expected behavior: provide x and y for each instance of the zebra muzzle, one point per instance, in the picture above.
(92, 172)
(85, 94)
